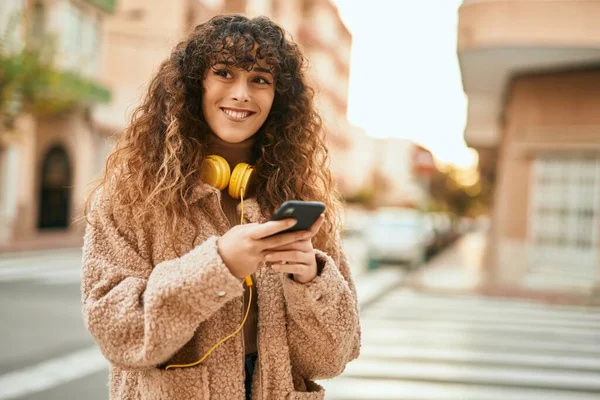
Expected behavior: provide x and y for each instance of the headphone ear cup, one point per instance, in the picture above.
(215, 171)
(241, 179)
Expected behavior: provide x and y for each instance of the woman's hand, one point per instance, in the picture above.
(297, 258)
(244, 247)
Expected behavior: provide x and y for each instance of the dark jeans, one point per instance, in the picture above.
(249, 366)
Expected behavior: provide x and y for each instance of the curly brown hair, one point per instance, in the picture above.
(157, 157)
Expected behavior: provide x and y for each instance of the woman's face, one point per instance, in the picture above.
(236, 102)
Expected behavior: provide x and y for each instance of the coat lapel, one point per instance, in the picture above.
(272, 335)
(252, 212)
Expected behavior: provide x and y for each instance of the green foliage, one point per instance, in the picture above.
(26, 74)
(30, 82)
(106, 5)
(364, 197)
(449, 195)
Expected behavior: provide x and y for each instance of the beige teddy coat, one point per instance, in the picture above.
(146, 307)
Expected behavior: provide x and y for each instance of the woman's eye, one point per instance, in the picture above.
(222, 73)
(261, 80)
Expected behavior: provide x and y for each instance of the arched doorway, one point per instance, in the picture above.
(55, 191)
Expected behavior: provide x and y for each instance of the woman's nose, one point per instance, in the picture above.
(240, 91)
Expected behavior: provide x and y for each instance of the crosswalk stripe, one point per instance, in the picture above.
(419, 338)
(25, 262)
(478, 374)
(448, 312)
(46, 267)
(443, 346)
(343, 388)
(51, 373)
(482, 316)
(64, 280)
(545, 280)
(567, 334)
(43, 274)
(408, 297)
(15, 274)
(472, 356)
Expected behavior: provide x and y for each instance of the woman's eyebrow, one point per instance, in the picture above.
(255, 69)
(259, 69)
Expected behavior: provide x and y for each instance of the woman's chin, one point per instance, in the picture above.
(234, 138)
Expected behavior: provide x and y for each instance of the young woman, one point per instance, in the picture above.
(187, 288)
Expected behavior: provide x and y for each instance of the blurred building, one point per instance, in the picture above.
(354, 164)
(531, 70)
(142, 33)
(46, 165)
(402, 173)
(121, 44)
(317, 27)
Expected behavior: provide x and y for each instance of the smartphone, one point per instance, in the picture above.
(305, 212)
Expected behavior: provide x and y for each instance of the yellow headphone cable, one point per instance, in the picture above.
(249, 283)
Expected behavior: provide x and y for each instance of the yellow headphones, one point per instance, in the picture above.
(216, 172)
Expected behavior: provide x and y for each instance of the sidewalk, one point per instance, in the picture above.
(372, 285)
(42, 241)
(457, 268)
(461, 269)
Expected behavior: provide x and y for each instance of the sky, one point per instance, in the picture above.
(404, 74)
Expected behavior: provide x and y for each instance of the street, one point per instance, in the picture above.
(417, 343)
(428, 346)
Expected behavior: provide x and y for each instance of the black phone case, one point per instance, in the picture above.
(305, 212)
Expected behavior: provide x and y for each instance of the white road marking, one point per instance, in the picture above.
(384, 389)
(51, 373)
(468, 347)
(47, 268)
(477, 374)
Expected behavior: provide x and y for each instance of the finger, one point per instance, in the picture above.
(304, 245)
(284, 239)
(314, 229)
(291, 257)
(271, 228)
(300, 269)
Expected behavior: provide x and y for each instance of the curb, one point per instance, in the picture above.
(371, 286)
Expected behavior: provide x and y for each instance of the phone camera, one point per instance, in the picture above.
(289, 211)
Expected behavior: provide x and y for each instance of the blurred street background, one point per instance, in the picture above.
(464, 138)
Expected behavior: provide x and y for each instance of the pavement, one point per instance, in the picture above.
(460, 346)
(426, 335)
(46, 350)
(462, 269)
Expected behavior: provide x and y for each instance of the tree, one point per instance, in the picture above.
(452, 195)
(27, 76)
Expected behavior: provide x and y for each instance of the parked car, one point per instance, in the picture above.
(355, 222)
(399, 236)
(445, 232)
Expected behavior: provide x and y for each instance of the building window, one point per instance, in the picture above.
(307, 8)
(81, 40)
(55, 190)
(10, 14)
(565, 212)
(3, 172)
(38, 22)
(91, 33)
(235, 6)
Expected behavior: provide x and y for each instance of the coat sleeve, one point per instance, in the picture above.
(323, 321)
(141, 314)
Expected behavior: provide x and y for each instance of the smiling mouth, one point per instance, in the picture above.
(237, 115)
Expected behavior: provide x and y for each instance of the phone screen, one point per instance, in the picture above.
(305, 212)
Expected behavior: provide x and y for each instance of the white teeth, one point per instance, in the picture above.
(236, 114)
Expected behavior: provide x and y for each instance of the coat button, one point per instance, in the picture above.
(221, 293)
